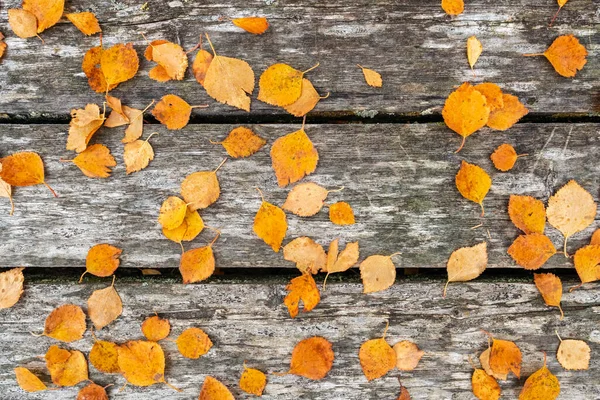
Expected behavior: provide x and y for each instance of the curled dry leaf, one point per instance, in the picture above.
(135, 119)
(119, 63)
(511, 112)
(408, 355)
(201, 64)
(173, 112)
(156, 328)
(85, 122)
(293, 157)
(270, 224)
(566, 55)
(65, 323)
(25, 168)
(467, 263)
(95, 161)
(255, 25)
(376, 357)
(505, 357)
(570, 210)
(22, 22)
(473, 183)
(531, 251)
(587, 260)
(198, 264)
(309, 97)
(47, 12)
(137, 155)
(142, 363)
(542, 384)
(172, 212)
(377, 273)
(492, 94)
(281, 85)
(66, 367)
(193, 343)
(86, 22)
(102, 260)
(305, 199)
(104, 306)
(465, 111)
(11, 287)
(92, 392)
(242, 142)
(505, 157)
(341, 213)
(312, 358)
(229, 81)
(104, 356)
(201, 189)
(191, 227)
(28, 381)
(373, 78)
(528, 214)
(308, 255)
(453, 7)
(301, 288)
(474, 50)
(550, 288)
(342, 261)
(485, 386)
(573, 354)
(212, 389)
(253, 381)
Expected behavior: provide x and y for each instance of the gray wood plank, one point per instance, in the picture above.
(419, 50)
(249, 322)
(398, 178)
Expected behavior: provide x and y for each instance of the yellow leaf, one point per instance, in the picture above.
(377, 273)
(306, 102)
(512, 111)
(201, 189)
(191, 227)
(22, 22)
(504, 157)
(566, 55)
(104, 306)
(173, 112)
(102, 260)
(242, 142)
(28, 381)
(23, 169)
(308, 255)
(270, 224)
(280, 85)
(505, 357)
(453, 7)
(137, 155)
(65, 323)
(66, 367)
(550, 288)
(212, 389)
(373, 78)
(85, 122)
(11, 287)
(172, 58)
(142, 363)
(465, 111)
(255, 25)
(485, 386)
(119, 63)
(467, 263)
(253, 381)
(293, 157)
(104, 356)
(473, 183)
(86, 22)
(301, 288)
(377, 358)
(341, 213)
(172, 212)
(47, 12)
(201, 64)
(156, 328)
(492, 94)
(541, 385)
(474, 50)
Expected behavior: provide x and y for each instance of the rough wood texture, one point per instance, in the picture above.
(398, 178)
(419, 50)
(249, 322)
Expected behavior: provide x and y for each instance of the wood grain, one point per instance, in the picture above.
(419, 50)
(399, 178)
(249, 322)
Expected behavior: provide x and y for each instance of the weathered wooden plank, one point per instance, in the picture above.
(398, 178)
(419, 50)
(249, 322)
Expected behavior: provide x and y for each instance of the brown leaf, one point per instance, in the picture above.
(308, 255)
(92, 392)
(408, 355)
(573, 354)
(305, 199)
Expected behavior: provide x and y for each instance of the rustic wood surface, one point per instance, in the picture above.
(419, 50)
(249, 322)
(398, 178)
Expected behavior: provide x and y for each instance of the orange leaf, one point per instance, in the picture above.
(551, 288)
(293, 157)
(512, 111)
(23, 169)
(197, 264)
(484, 359)
(255, 25)
(92, 392)
(341, 213)
(306, 102)
(172, 212)
(201, 189)
(91, 67)
(242, 142)
(595, 237)
(531, 251)
(270, 224)
(492, 94)
(22, 22)
(47, 12)
(142, 363)
(485, 386)
(586, 261)
(504, 157)
(473, 183)
(312, 358)
(65, 323)
(173, 112)
(119, 63)
(301, 288)
(102, 260)
(253, 381)
(505, 357)
(11, 287)
(172, 58)
(373, 78)
(453, 7)
(28, 381)
(408, 355)
(155, 328)
(86, 22)
(541, 385)
(104, 356)
(528, 214)
(201, 64)
(465, 111)
(104, 306)
(193, 343)
(566, 55)
(404, 395)
(212, 389)
(376, 357)
(95, 161)
(66, 367)
(377, 273)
